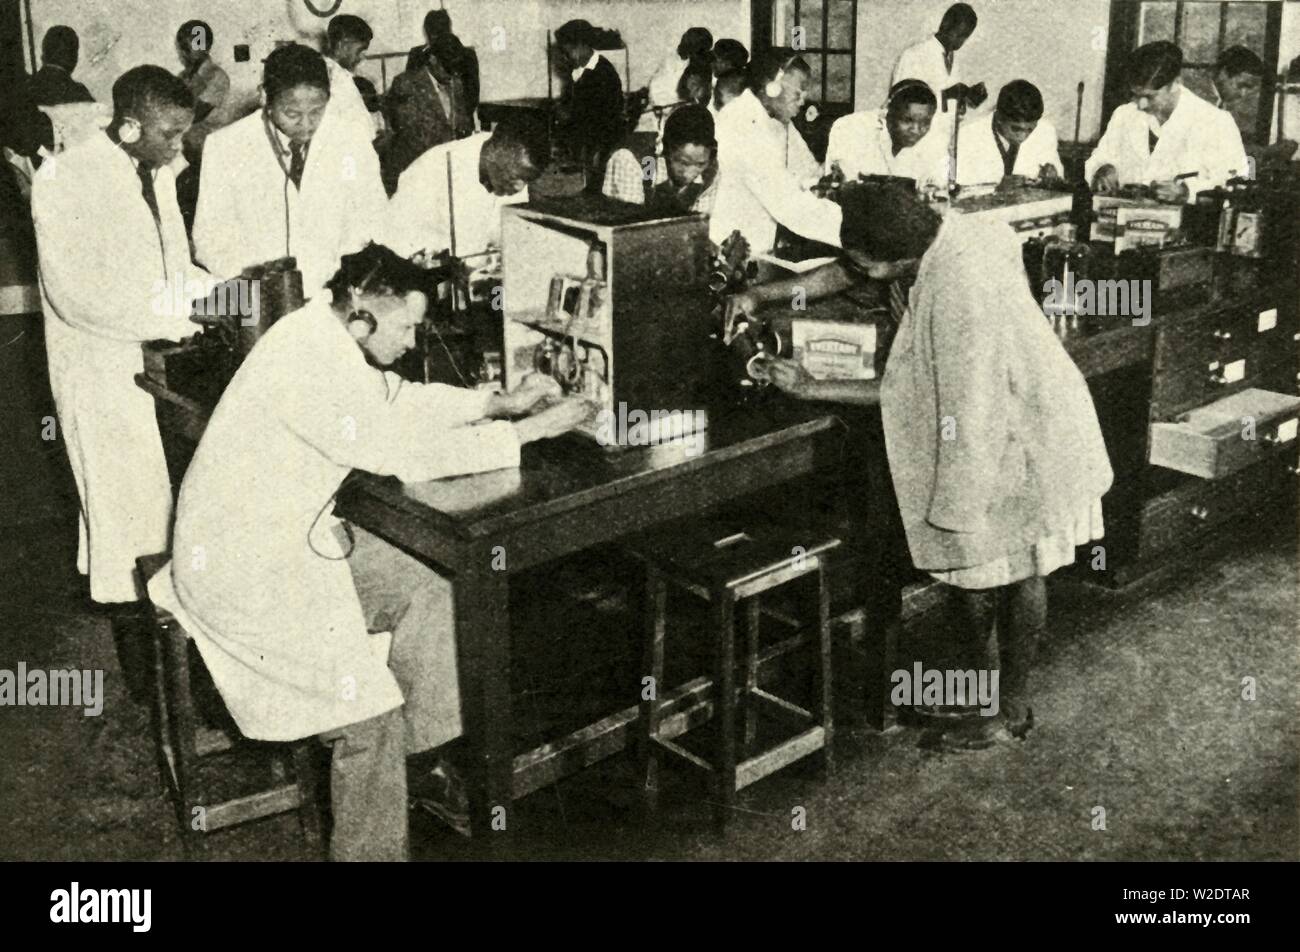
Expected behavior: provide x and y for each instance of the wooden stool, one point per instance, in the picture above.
(186, 746)
(731, 569)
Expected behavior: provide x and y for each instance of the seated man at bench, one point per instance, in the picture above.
(280, 596)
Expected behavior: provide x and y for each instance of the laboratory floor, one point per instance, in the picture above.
(1139, 704)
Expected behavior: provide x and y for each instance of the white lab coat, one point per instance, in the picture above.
(346, 103)
(663, 84)
(244, 192)
(760, 166)
(419, 213)
(1196, 138)
(860, 143)
(106, 286)
(259, 577)
(979, 161)
(924, 61)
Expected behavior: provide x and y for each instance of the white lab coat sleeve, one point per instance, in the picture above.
(778, 191)
(86, 288)
(803, 163)
(1049, 152)
(364, 419)
(417, 216)
(1109, 147)
(217, 244)
(1225, 157)
(663, 84)
(837, 146)
(369, 200)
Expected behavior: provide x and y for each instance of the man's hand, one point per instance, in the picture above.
(1171, 193)
(788, 376)
(534, 390)
(1105, 179)
(568, 414)
(738, 307)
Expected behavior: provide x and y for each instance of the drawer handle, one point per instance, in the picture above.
(1222, 335)
(1275, 439)
(1200, 513)
(1218, 379)
(1293, 470)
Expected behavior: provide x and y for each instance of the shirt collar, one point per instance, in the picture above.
(590, 64)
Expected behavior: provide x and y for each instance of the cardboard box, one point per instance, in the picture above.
(835, 350)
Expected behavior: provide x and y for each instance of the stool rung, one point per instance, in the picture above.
(783, 709)
(252, 807)
(782, 755)
(210, 740)
(757, 584)
(677, 749)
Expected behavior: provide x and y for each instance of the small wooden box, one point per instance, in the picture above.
(1223, 437)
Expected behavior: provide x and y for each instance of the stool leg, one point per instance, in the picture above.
(654, 609)
(752, 615)
(724, 618)
(307, 773)
(822, 669)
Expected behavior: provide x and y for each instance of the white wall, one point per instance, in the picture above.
(1052, 43)
(509, 35)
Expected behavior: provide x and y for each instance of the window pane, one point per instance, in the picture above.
(782, 21)
(839, 25)
(839, 78)
(1200, 39)
(815, 83)
(810, 19)
(1246, 26)
(1157, 22)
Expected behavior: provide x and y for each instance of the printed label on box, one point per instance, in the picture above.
(1287, 431)
(831, 350)
(1267, 320)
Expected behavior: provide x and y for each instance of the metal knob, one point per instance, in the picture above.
(1293, 470)
(1222, 335)
(1218, 379)
(1200, 513)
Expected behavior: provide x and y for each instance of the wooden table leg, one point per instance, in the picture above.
(483, 657)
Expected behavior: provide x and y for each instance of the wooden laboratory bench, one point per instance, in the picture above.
(567, 495)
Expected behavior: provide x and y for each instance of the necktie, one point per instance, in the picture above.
(1009, 153)
(947, 60)
(298, 162)
(146, 187)
(1152, 139)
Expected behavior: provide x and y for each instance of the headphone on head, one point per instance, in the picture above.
(902, 86)
(128, 131)
(361, 323)
(775, 86)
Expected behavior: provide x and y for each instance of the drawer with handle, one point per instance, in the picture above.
(1227, 435)
(1186, 516)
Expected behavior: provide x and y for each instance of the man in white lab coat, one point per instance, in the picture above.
(764, 166)
(898, 140)
(346, 40)
(934, 61)
(488, 172)
(1014, 139)
(1167, 137)
(279, 596)
(115, 270)
(289, 180)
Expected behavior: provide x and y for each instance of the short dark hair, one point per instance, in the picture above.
(437, 23)
(689, 125)
(527, 135)
(959, 16)
(345, 26)
(910, 92)
(889, 222)
(576, 33)
(192, 30)
(60, 46)
(377, 269)
(728, 56)
(143, 88)
(733, 84)
(694, 41)
(767, 65)
(1154, 65)
(1020, 101)
(1236, 60)
(699, 69)
(294, 65)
